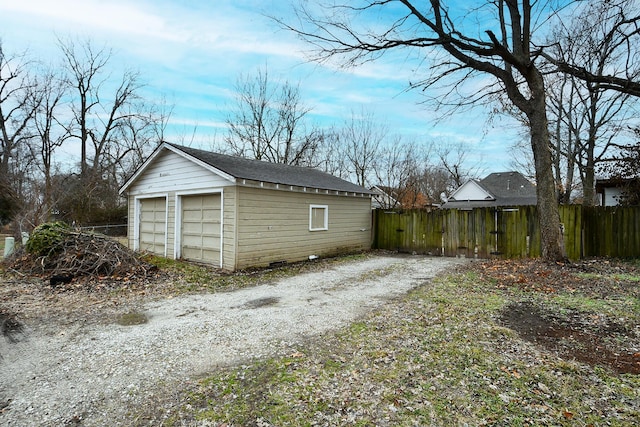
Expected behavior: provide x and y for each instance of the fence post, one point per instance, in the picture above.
(9, 243)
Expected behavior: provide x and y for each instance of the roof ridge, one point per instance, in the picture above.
(276, 173)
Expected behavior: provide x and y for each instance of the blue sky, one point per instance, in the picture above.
(192, 52)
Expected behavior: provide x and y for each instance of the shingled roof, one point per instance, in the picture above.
(502, 189)
(510, 188)
(275, 173)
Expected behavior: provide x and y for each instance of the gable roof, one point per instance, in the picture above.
(256, 170)
(499, 189)
(471, 190)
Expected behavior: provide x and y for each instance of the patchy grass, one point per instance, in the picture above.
(191, 277)
(132, 318)
(444, 356)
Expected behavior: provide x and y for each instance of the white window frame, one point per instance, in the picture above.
(326, 217)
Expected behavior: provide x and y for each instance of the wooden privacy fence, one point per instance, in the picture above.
(508, 232)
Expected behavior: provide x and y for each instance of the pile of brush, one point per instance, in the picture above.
(61, 253)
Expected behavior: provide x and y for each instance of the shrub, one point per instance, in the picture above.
(46, 238)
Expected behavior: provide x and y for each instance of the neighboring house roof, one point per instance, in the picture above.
(255, 170)
(497, 189)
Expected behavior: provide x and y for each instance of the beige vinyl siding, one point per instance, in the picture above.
(229, 228)
(273, 226)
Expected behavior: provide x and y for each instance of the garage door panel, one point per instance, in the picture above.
(192, 202)
(191, 216)
(211, 254)
(211, 242)
(212, 216)
(152, 225)
(147, 226)
(201, 228)
(190, 228)
(211, 200)
(191, 253)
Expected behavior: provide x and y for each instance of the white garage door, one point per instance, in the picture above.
(153, 227)
(201, 228)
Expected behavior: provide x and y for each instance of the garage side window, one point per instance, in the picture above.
(318, 217)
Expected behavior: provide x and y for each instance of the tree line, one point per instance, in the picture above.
(79, 105)
(270, 121)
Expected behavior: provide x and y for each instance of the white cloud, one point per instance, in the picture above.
(91, 15)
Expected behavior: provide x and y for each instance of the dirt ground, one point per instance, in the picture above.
(591, 337)
(588, 335)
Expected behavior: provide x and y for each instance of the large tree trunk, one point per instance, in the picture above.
(588, 187)
(552, 239)
(589, 175)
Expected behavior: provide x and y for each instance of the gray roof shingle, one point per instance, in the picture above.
(275, 173)
(509, 186)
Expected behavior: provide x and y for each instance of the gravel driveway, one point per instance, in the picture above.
(98, 374)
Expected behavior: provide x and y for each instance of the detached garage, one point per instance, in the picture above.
(236, 213)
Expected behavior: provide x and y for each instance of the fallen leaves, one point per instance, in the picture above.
(514, 373)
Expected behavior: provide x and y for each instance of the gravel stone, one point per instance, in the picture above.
(98, 374)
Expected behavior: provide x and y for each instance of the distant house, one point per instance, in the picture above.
(382, 197)
(385, 197)
(235, 213)
(497, 189)
(611, 190)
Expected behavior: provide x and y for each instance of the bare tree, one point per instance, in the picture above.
(397, 171)
(592, 114)
(436, 183)
(85, 65)
(454, 159)
(330, 157)
(509, 56)
(19, 101)
(103, 108)
(360, 138)
(564, 145)
(51, 134)
(611, 29)
(268, 123)
(113, 124)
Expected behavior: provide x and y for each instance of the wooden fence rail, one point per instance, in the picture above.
(508, 232)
